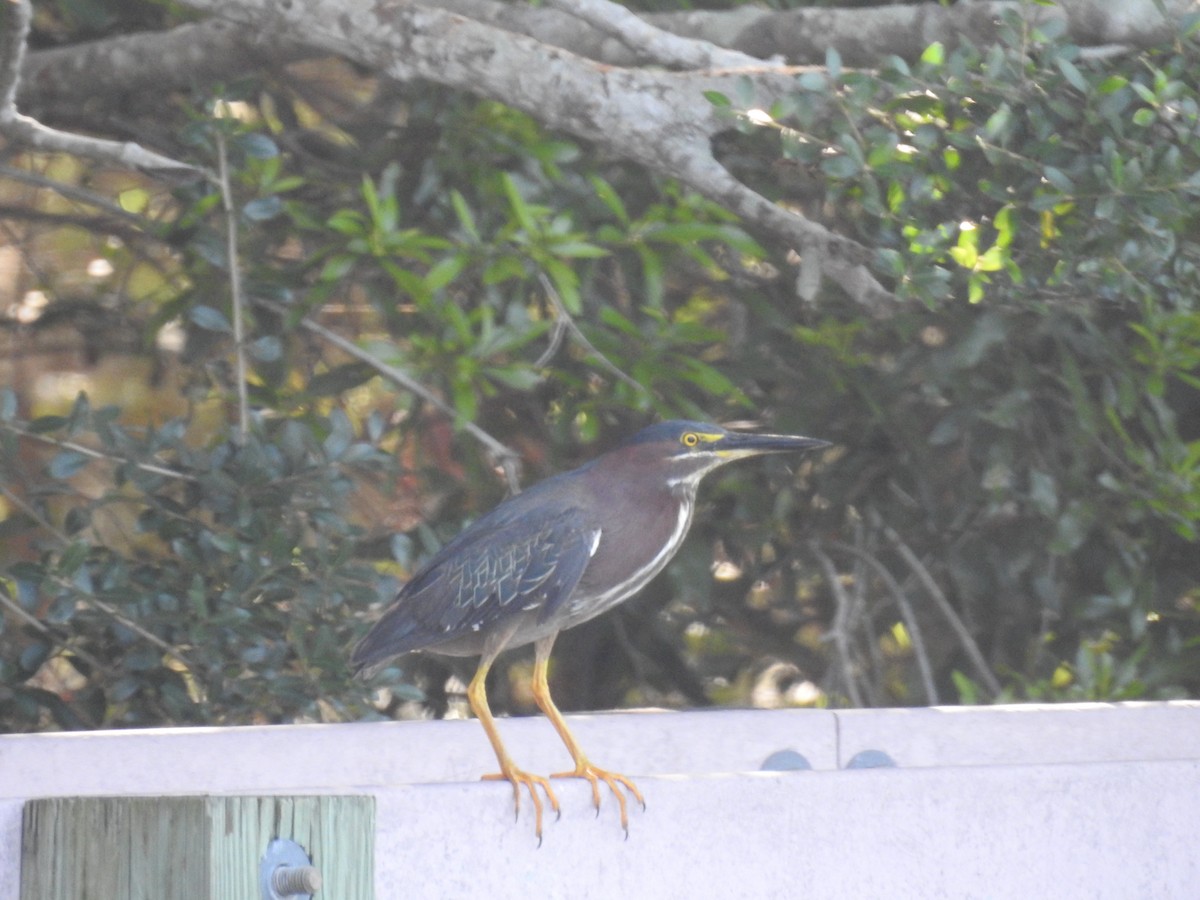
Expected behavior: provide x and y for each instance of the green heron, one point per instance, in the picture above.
(558, 554)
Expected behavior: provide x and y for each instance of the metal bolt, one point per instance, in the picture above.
(291, 881)
(287, 871)
(871, 759)
(785, 761)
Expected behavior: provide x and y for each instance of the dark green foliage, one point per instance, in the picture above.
(208, 585)
(1035, 434)
(1021, 438)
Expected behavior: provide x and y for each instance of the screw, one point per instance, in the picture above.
(292, 881)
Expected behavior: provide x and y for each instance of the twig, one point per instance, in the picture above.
(505, 456)
(840, 629)
(96, 454)
(12, 52)
(88, 598)
(924, 667)
(939, 598)
(563, 321)
(235, 291)
(15, 608)
(76, 193)
(36, 624)
(15, 18)
(136, 628)
(22, 504)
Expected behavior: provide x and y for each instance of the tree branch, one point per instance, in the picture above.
(235, 291)
(504, 455)
(839, 629)
(661, 120)
(148, 64)
(15, 17)
(120, 68)
(941, 602)
(650, 43)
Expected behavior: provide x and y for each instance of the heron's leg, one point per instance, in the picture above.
(477, 698)
(584, 768)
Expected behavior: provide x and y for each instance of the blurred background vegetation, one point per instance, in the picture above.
(1011, 510)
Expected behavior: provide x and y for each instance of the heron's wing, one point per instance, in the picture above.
(482, 578)
(521, 569)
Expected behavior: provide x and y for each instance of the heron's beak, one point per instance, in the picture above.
(736, 444)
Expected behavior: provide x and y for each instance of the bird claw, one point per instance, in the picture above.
(614, 780)
(518, 777)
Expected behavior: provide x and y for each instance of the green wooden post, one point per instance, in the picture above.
(190, 848)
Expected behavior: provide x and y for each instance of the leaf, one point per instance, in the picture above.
(833, 62)
(1144, 117)
(74, 556)
(842, 166)
(336, 267)
(33, 656)
(463, 212)
(813, 80)
(610, 198)
(257, 145)
(521, 210)
(262, 209)
(347, 221)
(66, 464)
(1059, 179)
(341, 433)
(266, 349)
(579, 250)
(444, 271)
(1072, 74)
(998, 123)
(209, 318)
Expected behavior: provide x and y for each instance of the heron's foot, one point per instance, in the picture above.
(595, 775)
(519, 778)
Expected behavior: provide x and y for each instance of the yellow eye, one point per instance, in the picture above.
(690, 439)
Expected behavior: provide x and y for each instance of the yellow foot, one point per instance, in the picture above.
(520, 777)
(595, 775)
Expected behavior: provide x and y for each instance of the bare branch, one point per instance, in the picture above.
(504, 455)
(84, 450)
(924, 667)
(76, 193)
(90, 599)
(15, 17)
(838, 258)
(563, 320)
(36, 624)
(939, 598)
(235, 291)
(117, 616)
(40, 137)
(650, 43)
(842, 622)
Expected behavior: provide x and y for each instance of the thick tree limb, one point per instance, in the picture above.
(121, 67)
(659, 119)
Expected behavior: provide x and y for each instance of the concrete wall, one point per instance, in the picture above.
(1093, 800)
